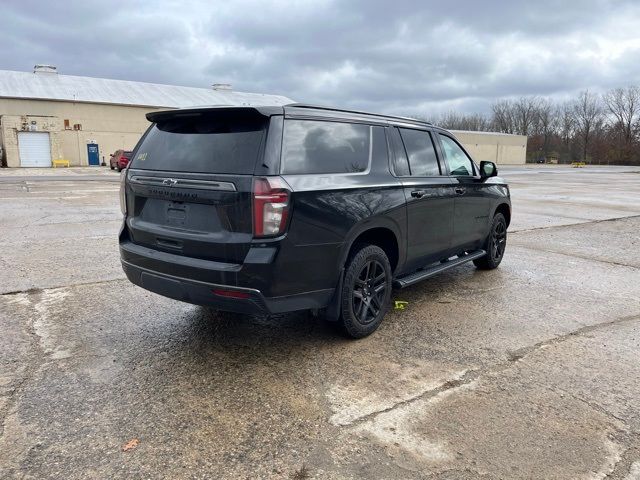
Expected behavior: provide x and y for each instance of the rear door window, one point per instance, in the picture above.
(311, 146)
(423, 161)
(203, 144)
(400, 162)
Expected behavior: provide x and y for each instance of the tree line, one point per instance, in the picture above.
(594, 128)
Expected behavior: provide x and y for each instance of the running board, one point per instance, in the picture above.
(420, 275)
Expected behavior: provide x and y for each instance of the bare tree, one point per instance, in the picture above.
(476, 122)
(455, 121)
(588, 114)
(525, 111)
(624, 106)
(450, 120)
(503, 116)
(567, 123)
(515, 116)
(545, 122)
(604, 127)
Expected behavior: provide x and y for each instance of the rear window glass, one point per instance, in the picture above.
(311, 146)
(400, 162)
(203, 144)
(422, 155)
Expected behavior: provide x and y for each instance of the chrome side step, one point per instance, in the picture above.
(407, 280)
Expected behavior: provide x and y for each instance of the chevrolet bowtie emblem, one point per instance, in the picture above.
(169, 182)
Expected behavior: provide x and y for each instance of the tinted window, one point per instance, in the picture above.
(459, 163)
(380, 150)
(325, 147)
(400, 162)
(202, 144)
(422, 154)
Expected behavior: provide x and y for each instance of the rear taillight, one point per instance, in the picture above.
(123, 194)
(123, 159)
(270, 206)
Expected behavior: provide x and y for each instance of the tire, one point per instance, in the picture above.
(366, 292)
(495, 244)
(118, 169)
(112, 167)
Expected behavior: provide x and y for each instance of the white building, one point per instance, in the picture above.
(500, 148)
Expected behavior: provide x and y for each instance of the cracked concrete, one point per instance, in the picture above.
(455, 380)
(352, 405)
(547, 407)
(528, 371)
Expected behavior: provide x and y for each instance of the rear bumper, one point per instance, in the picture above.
(149, 269)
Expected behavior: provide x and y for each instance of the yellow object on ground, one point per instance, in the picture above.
(578, 164)
(400, 305)
(61, 162)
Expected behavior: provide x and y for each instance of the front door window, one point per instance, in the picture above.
(459, 163)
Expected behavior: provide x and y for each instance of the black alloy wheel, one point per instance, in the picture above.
(369, 291)
(495, 244)
(366, 291)
(498, 239)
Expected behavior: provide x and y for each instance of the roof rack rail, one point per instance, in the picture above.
(335, 109)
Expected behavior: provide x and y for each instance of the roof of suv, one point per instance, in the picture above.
(295, 109)
(301, 108)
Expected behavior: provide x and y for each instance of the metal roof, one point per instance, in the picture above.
(69, 88)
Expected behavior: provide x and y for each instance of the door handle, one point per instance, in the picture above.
(418, 193)
(460, 190)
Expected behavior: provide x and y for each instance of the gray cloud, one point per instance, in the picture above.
(408, 57)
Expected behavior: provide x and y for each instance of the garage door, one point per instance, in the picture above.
(35, 150)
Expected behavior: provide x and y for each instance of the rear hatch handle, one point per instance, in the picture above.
(183, 183)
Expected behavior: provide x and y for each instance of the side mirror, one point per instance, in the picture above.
(488, 169)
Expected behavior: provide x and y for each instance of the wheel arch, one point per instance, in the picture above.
(382, 234)
(505, 210)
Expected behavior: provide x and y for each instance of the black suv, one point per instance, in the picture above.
(275, 209)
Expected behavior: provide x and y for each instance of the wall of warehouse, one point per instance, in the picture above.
(10, 125)
(501, 148)
(112, 127)
(3, 160)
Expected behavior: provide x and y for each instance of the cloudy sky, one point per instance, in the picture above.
(404, 57)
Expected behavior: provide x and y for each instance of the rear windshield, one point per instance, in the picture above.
(213, 143)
